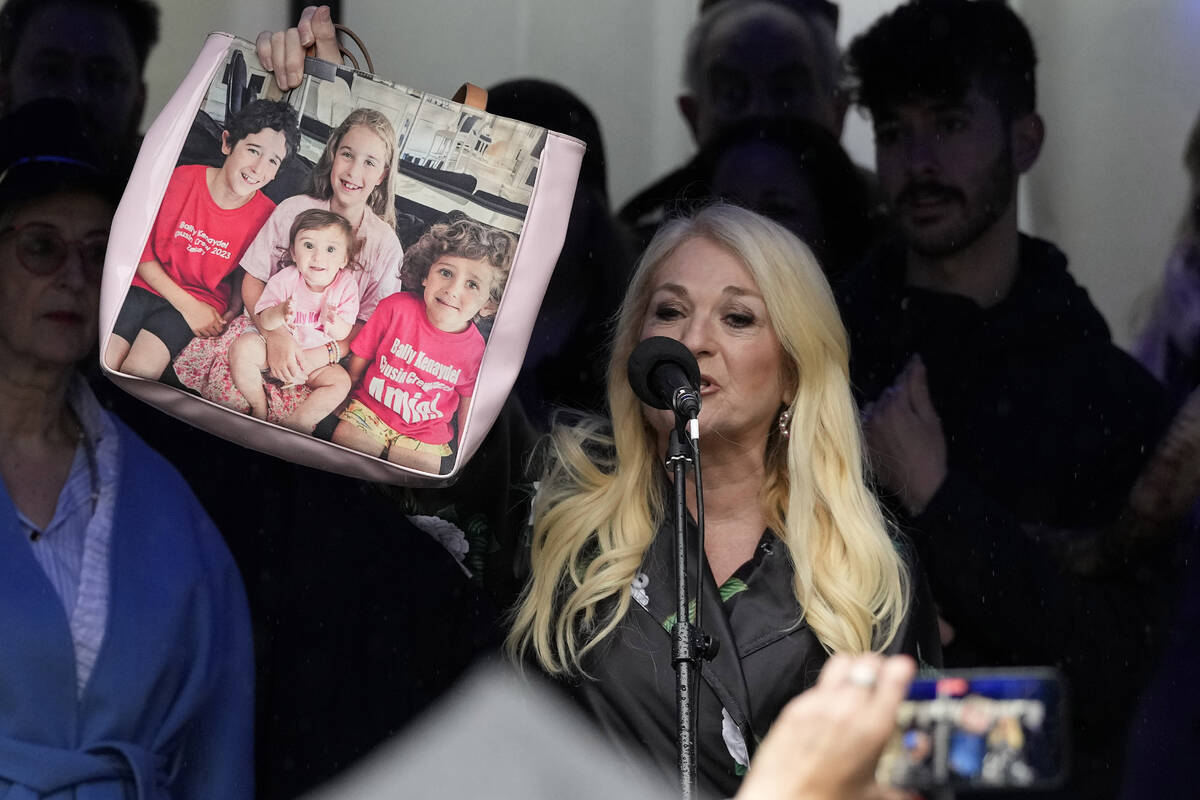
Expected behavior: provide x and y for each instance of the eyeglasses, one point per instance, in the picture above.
(42, 250)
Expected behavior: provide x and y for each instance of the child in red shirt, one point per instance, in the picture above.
(207, 219)
(415, 362)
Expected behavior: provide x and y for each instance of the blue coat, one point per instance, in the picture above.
(168, 710)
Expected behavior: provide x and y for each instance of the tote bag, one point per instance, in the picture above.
(401, 365)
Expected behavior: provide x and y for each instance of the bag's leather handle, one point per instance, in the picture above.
(471, 95)
(311, 51)
(468, 94)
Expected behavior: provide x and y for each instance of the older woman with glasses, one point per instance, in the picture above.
(126, 664)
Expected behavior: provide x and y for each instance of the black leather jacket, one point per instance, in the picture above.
(765, 658)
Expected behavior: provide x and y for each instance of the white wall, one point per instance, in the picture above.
(622, 57)
(1119, 84)
(856, 16)
(184, 25)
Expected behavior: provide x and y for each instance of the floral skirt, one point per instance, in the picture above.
(203, 367)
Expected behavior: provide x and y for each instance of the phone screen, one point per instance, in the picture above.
(978, 729)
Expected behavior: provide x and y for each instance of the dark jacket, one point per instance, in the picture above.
(1047, 424)
(765, 657)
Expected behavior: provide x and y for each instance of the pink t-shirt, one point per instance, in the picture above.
(197, 242)
(308, 307)
(417, 373)
(379, 256)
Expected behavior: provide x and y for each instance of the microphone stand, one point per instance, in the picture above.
(691, 644)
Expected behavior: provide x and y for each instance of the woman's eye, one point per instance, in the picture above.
(51, 69)
(951, 124)
(667, 312)
(39, 244)
(372, 163)
(94, 253)
(737, 320)
(445, 273)
(887, 135)
(473, 285)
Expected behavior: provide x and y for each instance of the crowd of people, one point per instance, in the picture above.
(922, 448)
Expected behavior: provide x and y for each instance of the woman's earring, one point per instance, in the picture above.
(785, 420)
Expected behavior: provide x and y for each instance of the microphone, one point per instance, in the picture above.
(664, 374)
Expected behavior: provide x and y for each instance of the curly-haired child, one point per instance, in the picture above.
(415, 362)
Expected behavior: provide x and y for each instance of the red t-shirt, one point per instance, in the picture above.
(197, 242)
(417, 373)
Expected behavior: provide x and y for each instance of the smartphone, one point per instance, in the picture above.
(980, 729)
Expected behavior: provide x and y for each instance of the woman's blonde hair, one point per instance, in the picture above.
(600, 501)
(382, 199)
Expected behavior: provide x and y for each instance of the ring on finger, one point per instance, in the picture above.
(862, 674)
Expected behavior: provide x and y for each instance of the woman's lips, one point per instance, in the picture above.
(708, 385)
(72, 317)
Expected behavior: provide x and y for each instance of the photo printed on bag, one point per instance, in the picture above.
(332, 259)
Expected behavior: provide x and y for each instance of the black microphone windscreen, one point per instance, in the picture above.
(648, 356)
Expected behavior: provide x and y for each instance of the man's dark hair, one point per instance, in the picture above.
(139, 16)
(825, 8)
(274, 114)
(843, 203)
(821, 27)
(937, 48)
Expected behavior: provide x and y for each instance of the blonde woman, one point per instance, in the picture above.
(799, 561)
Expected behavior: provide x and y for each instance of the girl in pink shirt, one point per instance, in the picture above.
(315, 297)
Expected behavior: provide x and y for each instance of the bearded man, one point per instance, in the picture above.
(995, 404)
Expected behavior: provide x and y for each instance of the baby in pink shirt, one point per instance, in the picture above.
(316, 297)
